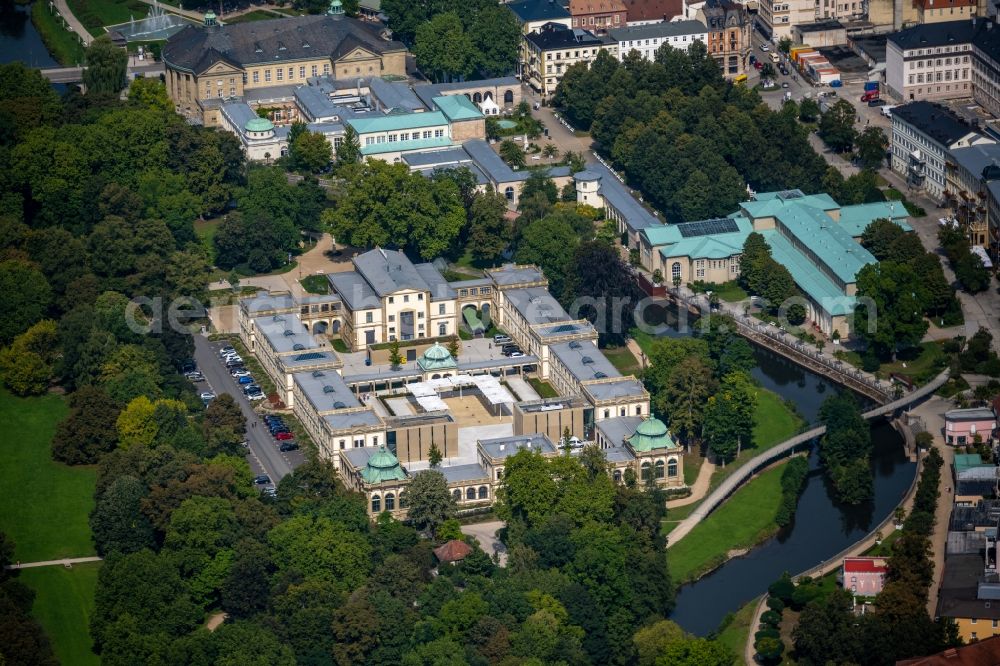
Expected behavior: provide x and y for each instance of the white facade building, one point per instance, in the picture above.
(646, 39)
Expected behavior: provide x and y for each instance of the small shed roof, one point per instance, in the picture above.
(453, 551)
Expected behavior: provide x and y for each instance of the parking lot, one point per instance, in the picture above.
(262, 453)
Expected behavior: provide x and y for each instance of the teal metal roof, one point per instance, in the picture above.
(418, 144)
(397, 121)
(768, 204)
(855, 219)
(382, 466)
(436, 358)
(669, 234)
(259, 125)
(649, 435)
(821, 289)
(815, 231)
(457, 107)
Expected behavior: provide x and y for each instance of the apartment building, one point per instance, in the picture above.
(923, 134)
(972, 182)
(939, 11)
(728, 40)
(776, 18)
(598, 16)
(646, 39)
(931, 61)
(553, 49)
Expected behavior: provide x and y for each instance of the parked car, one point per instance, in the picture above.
(758, 65)
(255, 394)
(501, 339)
(235, 363)
(516, 354)
(195, 376)
(288, 446)
(270, 491)
(261, 479)
(228, 349)
(284, 435)
(188, 366)
(207, 395)
(765, 48)
(876, 102)
(239, 371)
(245, 379)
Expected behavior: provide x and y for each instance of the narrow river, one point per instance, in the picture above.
(18, 38)
(822, 527)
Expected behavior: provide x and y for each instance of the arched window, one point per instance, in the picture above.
(477, 98)
(487, 95)
(484, 492)
(645, 471)
(376, 504)
(457, 494)
(442, 329)
(672, 468)
(509, 193)
(659, 469)
(390, 502)
(675, 270)
(508, 97)
(470, 493)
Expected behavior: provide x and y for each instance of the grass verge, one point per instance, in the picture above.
(623, 360)
(542, 388)
(742, 522)
(921, 369)
(256, 15)
(64, 45)
(95, 14)
(64, 603)
(205, 231)
(315, 284)
(735, 633)
(775, 422)
(46, 505)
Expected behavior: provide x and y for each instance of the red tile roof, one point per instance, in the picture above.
(654, 10)
(453, 551)
(581, 7)
(984, 653)
(864, 564)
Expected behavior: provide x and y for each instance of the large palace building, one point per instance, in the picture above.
(211, 64)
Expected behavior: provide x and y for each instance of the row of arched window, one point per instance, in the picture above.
(390, 502)
(471, 494)
(658, 468)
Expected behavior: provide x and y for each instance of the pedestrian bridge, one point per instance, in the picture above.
(63, 74)
(789, 446)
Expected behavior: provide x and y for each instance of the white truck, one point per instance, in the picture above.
(887, 111)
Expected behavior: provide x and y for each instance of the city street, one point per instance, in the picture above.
(264, 457)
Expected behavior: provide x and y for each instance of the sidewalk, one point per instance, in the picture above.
(700, 487)
(67, 562)
(74, 23)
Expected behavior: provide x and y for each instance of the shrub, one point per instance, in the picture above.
(771, 618)
(775, 604)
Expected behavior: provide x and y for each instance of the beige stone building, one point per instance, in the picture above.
(211, 64)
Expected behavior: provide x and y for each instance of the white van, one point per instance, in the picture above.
(887, 111)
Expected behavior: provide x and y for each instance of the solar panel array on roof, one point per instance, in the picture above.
(722, 225)
(310, 356)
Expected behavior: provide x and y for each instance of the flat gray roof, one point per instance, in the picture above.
(559, 329)
(548, 404)
(504, 362)
(616, 429)
(354, 291)
(662, 29)
(618, 454)
(460, 473)
(974, 414)
(349, 420)
(624, 388)
(477, 282)
(285, 333)
(431, 158)
(393, 95)
(325, 390)
(266, 302)
(536, 305)
(509, 274)
(618, 197)
(584, 360)
(500, 447)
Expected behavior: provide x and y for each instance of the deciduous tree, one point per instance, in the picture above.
(107, 66)
(429, 500)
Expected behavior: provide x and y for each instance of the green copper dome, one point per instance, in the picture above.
(259, 125)
(651, 434)
(436, 358)
(382, 466)
(336, 8)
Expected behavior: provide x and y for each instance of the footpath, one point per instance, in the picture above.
(66, 562)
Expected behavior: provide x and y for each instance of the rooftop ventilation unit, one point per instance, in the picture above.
(329, 389)
(318, 373)
(587, 360)
(289, 332)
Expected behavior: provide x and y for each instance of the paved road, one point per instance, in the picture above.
(264, 455)
(486, 533)
(53, 563)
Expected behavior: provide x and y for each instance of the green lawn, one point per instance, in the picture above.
(64, 45)
(775, 423)
(256, 15)
(743, 521)
(95, 14)
(644, 340)
(46, 504)
(728, 291)
(339, 345)
(734, 635)
(622, 359)
(543, 388)
(692, 465)
(64, 602)
(921, 369)
(315, 284)
(205, 231)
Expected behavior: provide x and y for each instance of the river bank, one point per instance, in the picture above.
(63, 46)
